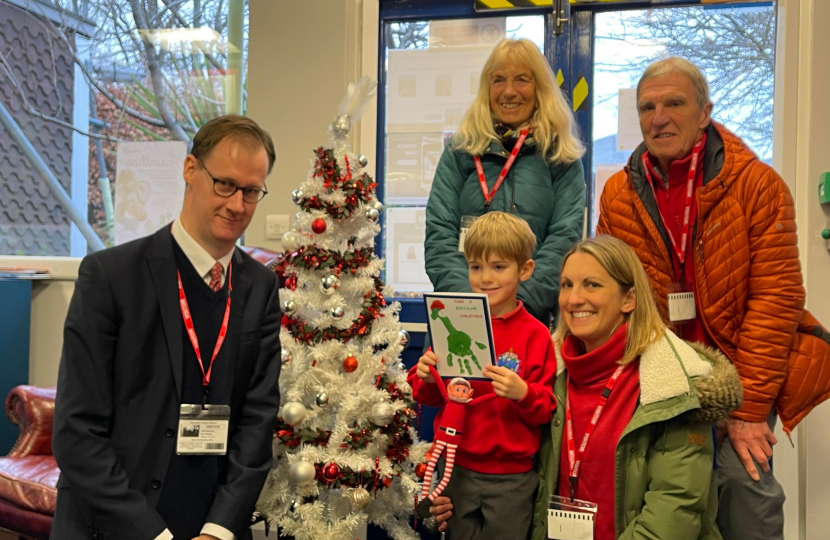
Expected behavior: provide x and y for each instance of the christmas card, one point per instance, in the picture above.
(461, 333)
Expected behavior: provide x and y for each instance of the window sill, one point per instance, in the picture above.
(60, 268)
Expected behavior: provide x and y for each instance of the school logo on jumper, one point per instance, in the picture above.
(510, 360)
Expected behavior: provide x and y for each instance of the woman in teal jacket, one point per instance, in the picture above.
(545, 185)
(647, 461)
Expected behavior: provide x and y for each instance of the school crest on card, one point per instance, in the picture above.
(510, 360)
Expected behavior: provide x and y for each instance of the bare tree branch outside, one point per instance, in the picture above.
(735, 48)
(157, 70)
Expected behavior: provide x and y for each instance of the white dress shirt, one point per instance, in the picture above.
(198, 256)
(202, 261)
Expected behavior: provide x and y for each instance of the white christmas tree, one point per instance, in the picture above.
(345, 449)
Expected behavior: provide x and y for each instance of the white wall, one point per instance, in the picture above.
(812, 158)
(301, 57)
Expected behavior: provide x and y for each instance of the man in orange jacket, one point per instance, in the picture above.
(715, 230)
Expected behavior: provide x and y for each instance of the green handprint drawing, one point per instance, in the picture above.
(458, 342)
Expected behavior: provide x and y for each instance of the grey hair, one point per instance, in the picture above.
(675, 64)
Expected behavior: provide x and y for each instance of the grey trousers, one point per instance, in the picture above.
(748, 510)
(490, 506)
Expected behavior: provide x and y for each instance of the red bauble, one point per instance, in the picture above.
(318, 225)
(284, 434)
(420, 470)
(350, 364)
(331, 472)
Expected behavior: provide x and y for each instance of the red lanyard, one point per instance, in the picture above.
(488, 196)
(690, 188)
(188, 323)
(574, 458)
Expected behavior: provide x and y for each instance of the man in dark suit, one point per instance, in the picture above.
(177, 324)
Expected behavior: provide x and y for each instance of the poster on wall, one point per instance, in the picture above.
(149, 188)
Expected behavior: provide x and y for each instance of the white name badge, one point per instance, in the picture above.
(203, 431)
(682, 306)
(571, 520)
(466, 223)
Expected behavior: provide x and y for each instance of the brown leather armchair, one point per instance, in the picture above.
(29, 474)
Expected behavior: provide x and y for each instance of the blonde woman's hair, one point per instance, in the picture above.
(645, 326)
(554, 128)
(676, 64)
(502, 234)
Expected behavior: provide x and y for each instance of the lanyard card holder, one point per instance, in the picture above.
(571, 519)
(466, 223)
(203, 430)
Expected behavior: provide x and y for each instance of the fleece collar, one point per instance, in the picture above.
(665, 369)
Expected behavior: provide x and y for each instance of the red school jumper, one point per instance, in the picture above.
(588, 374)
(501, 436)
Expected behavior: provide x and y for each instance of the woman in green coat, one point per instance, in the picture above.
(519, 106)
(647, 460)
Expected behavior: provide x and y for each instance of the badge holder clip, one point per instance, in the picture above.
(571, 519)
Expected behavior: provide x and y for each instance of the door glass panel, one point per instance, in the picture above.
(734, 47)
(432, 75)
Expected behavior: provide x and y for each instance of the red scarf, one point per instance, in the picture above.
(588, 373)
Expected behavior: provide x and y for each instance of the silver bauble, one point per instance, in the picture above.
(337, 312)
(329, 283)
(404, 338)
(293, 413)
(297, 196)
(372, 215)
(377, 205)
(291, 241)
(382, 413)
(402, 366)
(293, 505)
(322, 399)
(285, 356)
(302, 472)
(359, 498)
(362, 160)
(342, 124)
(289, 307)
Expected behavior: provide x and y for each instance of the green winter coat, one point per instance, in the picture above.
(549, 196)
(663, 481)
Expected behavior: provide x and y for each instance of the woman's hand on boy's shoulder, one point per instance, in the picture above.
(423, 372)
(506, 383)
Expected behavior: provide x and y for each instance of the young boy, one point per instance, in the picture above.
(493, 482)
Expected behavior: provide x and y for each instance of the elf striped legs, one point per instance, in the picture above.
(435, 453)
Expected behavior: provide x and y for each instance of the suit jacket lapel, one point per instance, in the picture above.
(163, 269)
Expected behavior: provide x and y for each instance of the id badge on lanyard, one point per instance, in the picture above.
(466, 223)
(203, 430)
(682, 304)
(571, 519)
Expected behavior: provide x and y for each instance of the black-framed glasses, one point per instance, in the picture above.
(227, 189)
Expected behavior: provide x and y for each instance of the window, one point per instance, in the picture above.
(80, 78)
(432, 71)
(735, 48)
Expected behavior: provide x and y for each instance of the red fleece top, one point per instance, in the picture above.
(587, 375)
(671, 201)
(501, 436)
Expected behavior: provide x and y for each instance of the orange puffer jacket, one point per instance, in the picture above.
(747, 273)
